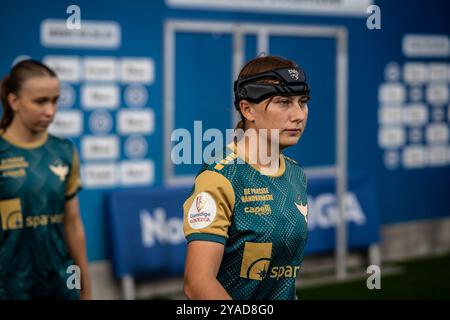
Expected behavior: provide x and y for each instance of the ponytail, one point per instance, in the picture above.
(7, 110)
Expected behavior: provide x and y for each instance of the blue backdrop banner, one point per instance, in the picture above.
(146, 225)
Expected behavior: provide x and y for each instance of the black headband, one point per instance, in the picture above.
(292, 81)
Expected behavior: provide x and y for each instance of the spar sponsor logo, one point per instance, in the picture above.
(203, 211)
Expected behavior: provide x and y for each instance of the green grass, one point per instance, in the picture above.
(420, 279)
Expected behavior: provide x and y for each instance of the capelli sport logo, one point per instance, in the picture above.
(11, 214)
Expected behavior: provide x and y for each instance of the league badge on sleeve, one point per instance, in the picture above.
(203, 211)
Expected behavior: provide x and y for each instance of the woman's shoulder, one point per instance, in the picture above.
(290, 160)
(293, 164)
(296, 169)
(222, 161)
(62, 141)
(62, 146)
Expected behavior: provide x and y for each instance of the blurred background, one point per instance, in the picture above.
(379, 120)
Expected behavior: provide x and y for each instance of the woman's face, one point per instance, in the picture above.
(35, 105)
(288, 114)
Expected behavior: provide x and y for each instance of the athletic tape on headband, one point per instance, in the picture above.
(292, 81)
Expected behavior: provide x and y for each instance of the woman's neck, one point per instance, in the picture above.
(267, 161)
(18, 132)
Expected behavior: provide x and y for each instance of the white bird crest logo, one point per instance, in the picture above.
(303, 210)
(60, 170)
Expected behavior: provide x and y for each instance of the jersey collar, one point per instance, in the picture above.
(24, 145)
(281, 168)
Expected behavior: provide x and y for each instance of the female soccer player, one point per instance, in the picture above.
(245, 221)
(42, 242)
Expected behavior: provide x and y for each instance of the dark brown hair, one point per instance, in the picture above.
(259, 65)
(13, 82)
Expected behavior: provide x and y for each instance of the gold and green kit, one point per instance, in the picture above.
(36, 180)
(260, 219)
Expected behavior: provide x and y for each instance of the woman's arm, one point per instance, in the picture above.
(76, 243)
(202, 265)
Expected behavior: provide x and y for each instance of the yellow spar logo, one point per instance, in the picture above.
(11, 214)
(12, 217)
(256, 260)
(256, 263)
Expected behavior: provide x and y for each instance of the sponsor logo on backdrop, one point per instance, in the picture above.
(157, 228)
(324, 213)
(137, 172)
(103, 147)
(100, 96)
(141, 70)
(99, 175)
(100, 69)
(68, 68)
(135, 121)
(67, 123)
(93, 34)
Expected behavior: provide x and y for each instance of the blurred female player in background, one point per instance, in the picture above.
(245, 223)
(41, 232)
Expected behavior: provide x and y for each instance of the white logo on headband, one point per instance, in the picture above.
(293, 73)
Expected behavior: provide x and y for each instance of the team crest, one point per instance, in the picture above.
(60, 170)
(303, 210)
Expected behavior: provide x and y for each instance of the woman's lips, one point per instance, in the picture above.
(293, 131)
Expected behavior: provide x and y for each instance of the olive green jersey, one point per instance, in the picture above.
(260, 219)
(35, 182)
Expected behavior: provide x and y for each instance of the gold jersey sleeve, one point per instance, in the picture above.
(73, 182)
(208, 210)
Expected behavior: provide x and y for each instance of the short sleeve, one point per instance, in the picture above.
(208, 210)
(73, 182)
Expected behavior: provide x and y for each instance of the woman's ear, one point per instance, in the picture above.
(13, 102)
(247, 110)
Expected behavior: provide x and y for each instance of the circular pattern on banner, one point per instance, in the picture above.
(100, 121)
(415, 94)
(67, 96)
(136, 147)
(391, 159)
(136, 95)
(415, 135)
(203, 211)
(438, 114)
(392, 71)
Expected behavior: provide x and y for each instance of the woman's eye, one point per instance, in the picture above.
(40, 101)
(303, 102)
